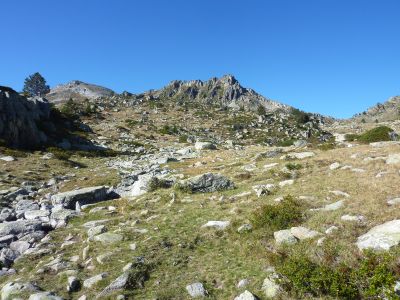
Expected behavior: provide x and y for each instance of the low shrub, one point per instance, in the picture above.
(158, 183)
(283, 215)
(293, 166)
(377, 134)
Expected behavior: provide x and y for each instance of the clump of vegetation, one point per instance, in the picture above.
(351, 137)
(158, 183)
(299, 116)
(168, 129)
(327, 146)
(286, 143)
(371, 277)
(377, 134)
(131, 123)
(283, 215)
(261, 110)
(183, 138)
(70, 109)
(293, 166)
(59, 153)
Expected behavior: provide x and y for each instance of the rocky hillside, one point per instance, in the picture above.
(77, 90)
(225, 91)
(387, 111)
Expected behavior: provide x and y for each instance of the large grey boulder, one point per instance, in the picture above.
(381, 237)
(13, 289)
(20, 227)
(19, 117)
(44, 296)
(82, 196)
(208, 182)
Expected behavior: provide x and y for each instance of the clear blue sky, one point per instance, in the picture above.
(336, 57)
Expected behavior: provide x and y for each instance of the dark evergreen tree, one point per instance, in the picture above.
(35, 85)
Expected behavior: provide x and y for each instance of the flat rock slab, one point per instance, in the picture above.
(284, 237)
(221, 225)
(83, 196)
(207, 183)
(303, 233)
(381, 237)
(108, 238)
(299, 155)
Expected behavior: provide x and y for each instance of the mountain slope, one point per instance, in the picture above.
(388, 111)
(78, 90)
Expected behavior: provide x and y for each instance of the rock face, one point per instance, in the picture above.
(82, 196)
(381, 237)
(206, 183)
(78, 90)
(20, 119)
(226, 91)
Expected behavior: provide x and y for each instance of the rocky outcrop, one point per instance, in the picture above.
(225, 91)
(78, 90)
(206, 183)
(21, 119)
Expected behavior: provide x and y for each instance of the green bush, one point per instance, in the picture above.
(70, 109)
(372, 277)
(183, 138)
(286, 143)
(293, 166)
(351, 137)
(299, 116)
(378, 134)
(59, 153)
(283, 215)
(168, 129)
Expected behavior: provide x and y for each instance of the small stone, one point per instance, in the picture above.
(242, 283)
(220, 225)
(394, 201)
(245, 228)
(108, 238)
(334, 166)
(88, 283)
(331, 229)
(270, 286)
(196, 290)
(303, 233)
(246, 295)
(284, 237)
(73, 284)
(286, 182)
(350, 218)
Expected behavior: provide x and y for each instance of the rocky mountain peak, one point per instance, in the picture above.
(225, 91)
(78, 90)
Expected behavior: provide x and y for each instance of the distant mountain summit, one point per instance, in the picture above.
(78, 90)
(387, 111)
(225, 91)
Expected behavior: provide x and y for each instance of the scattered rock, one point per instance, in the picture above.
(284, 237)
(303, 233)
(270, 287)
(264, 189)
(220, 225)
(393, 159)
(246, 295)
(108, 238)
(205, 146)
(207, 183)
(244, 228)
(196, 290)
(88, 283)
(381, 237)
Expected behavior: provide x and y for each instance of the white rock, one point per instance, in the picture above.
(331, 229)
(339, 193)
(394, 201)
(7, 158)
(205, 146)
(393, 159)
(246, 295)
(196, 290)
(284, 237)
(270, 286)
(334, 166)
(350, 218)
(300, 155)
(270, 166)
(88, 283)
(264, 189)
(303, 233)
(220, 225)
(333, 206)
(381, 237)
(242, 283)
(286, 182)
